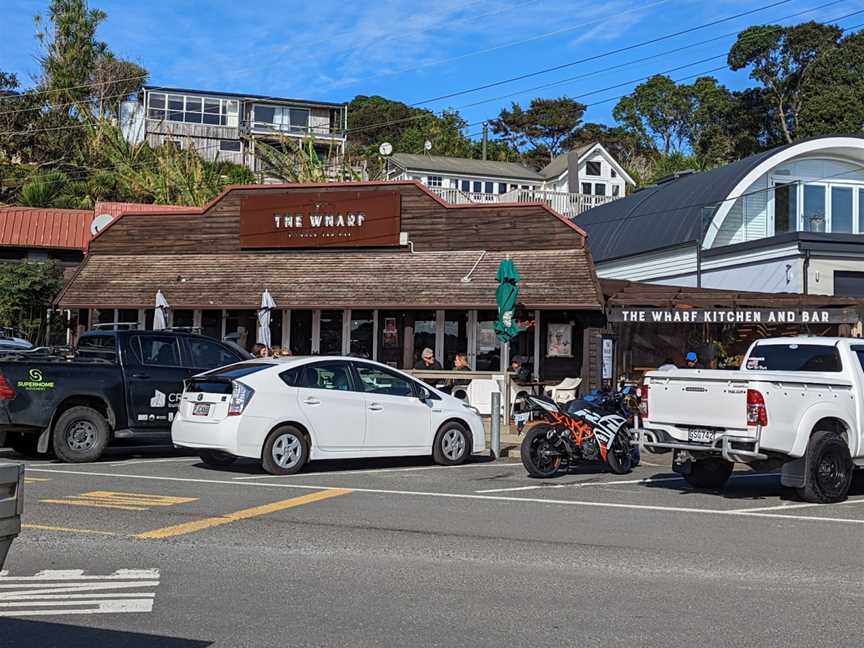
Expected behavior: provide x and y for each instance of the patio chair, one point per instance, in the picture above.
(480, 394)
(565, 391)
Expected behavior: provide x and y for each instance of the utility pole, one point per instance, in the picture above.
(485, 137)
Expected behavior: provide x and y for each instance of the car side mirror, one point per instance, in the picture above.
(425, 395)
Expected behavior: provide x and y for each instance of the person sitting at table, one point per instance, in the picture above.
(427, 361)
(521, 372)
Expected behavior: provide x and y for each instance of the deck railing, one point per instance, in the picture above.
(566, 204)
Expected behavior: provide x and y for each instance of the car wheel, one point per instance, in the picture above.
(829, 469)
(80, 435)
(451, 446)
(216, 458)
(710, 474)
(285, 452)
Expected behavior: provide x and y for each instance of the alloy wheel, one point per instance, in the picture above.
(287, 450)
(453, 444)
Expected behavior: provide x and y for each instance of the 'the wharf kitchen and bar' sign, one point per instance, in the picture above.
(320, 219)
(733, 316)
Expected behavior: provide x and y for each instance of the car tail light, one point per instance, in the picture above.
(756, 412)
(240, 397)
(642, 393)
(6, 390)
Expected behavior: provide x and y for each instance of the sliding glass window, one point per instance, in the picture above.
(841, 209)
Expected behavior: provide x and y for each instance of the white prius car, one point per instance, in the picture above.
(290, 411)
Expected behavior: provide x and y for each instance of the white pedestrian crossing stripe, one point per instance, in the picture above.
(70, 591)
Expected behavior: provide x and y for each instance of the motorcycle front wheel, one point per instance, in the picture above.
(619, 456)
(539, 456)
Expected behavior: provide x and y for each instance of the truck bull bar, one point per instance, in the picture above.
(722, 444)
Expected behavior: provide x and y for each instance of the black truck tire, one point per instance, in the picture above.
(710, 474)
(828, 472)
(80, 435)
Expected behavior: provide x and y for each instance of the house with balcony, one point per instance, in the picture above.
(227, 126)
(570, 184)
(790, 219)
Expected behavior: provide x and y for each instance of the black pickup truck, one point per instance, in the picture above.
(115, 385)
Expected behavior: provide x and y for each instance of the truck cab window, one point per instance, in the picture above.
(207, 354)
(158, 351)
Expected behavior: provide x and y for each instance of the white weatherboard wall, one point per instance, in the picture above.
(653, 266)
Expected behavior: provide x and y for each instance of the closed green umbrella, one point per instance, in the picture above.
(505, 296)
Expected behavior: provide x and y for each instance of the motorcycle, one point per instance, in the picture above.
(597, 428)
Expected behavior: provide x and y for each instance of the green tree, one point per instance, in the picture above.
(112, 81)
(26, 292)
(544, 126)
(782, 60)
(657, 111)
(833, 102)
(71, 51)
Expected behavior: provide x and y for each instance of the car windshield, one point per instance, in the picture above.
(794, 357)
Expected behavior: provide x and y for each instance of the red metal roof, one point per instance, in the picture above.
(64, 229)
(34, 227)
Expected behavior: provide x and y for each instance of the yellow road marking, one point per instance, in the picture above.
(45, 527)
(255, 511)
(122, 501)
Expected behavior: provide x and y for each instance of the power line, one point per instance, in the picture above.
(469, 125)
(619, 50)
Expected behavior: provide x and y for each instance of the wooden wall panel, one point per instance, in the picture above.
(429, 224)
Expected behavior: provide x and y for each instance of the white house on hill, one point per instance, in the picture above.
(570, 183)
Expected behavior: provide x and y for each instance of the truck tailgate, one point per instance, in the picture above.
(697, 398)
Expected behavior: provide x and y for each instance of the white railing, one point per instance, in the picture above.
(566, 204)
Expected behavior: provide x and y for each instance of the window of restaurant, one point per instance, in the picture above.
(455, 336)
(211, 323)
(331, 332)
(183, 319)
(390, 337)
(488, 348)
(301, 332)
(240, 327)
(362, 333)
(561, 344)
(275, 327)
(127, 318)
(425, 324)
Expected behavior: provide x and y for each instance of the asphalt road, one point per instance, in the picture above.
(405, 553)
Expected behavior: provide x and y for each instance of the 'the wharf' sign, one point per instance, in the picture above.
(320, 219)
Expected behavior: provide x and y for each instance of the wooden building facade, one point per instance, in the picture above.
(378, 269)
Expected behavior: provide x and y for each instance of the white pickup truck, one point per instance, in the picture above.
(796, 404)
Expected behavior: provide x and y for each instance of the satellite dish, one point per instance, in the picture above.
(427, 145)
(386, 148)
(100, 223)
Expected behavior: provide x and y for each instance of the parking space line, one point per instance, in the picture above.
(122, 501)
(471, 496)
(245, 514)
(45, 527)
(784, 507)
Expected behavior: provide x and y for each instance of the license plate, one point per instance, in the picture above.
(522, 417)
(201, 409)
(700, 435)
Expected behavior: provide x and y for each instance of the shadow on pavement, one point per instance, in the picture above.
(335, 466)
(30, 634)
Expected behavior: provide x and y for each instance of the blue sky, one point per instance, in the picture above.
(414, 51)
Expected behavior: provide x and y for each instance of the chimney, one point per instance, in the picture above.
(573, 171)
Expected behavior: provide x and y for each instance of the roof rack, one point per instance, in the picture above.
(111, 326)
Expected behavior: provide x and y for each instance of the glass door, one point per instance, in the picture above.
(814, 211)
(331, 332)
(841, 209)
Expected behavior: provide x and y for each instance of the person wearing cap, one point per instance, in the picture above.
(427, 361)
(693, 361)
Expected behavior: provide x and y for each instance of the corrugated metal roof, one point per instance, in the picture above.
(64, 229)
(35, 227)
(662, 216)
